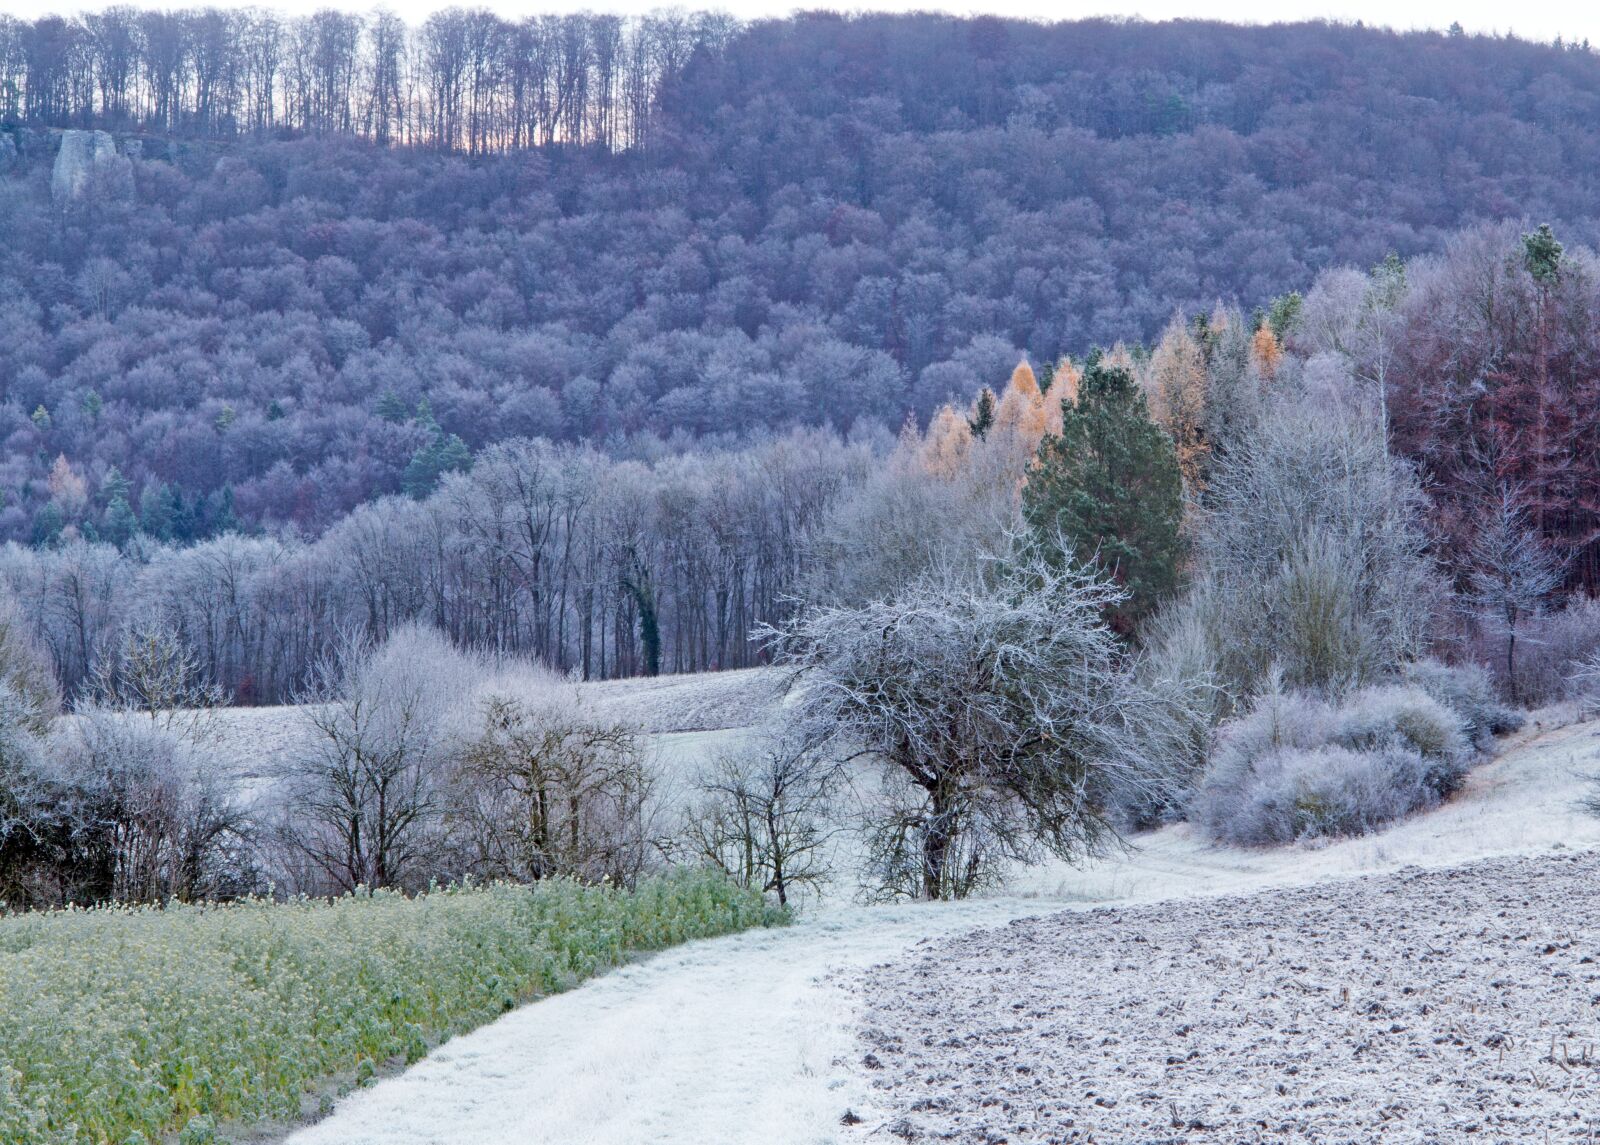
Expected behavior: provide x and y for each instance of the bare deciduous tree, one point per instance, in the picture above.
(35, 697)
(763, 816)
(547, 788)
(150, 816)
(155, 674)
(1311, 556)
(366, 793)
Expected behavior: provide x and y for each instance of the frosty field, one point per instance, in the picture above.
(1447, 1005)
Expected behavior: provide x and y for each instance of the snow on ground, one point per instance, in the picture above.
(751, 1038)
(1457, 1004)
(1523, 801)
(732, 1040)
(697, 702)
(687, 720)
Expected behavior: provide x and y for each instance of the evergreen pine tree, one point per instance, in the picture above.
(446, 453)
(119, 523)
(114, 486)
(1109, 484)
(982, 418)
(47, 524)
(185, 516)
(220, 515)
(155, 510)
(391, 408)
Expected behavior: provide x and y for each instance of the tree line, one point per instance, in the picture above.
(463, 79)
(665, 558)
(556, 552)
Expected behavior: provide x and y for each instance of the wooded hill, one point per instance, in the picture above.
(335, 257)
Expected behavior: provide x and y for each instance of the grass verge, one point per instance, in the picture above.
(120, 1026)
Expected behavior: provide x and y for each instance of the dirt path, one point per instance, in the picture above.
(731, 1041)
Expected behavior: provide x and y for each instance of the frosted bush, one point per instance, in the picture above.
(1278, 719)
(1295, 766)
(1300, 793)
(1374, 719)
(1466, 690)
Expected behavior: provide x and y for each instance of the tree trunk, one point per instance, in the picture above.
(937, 837)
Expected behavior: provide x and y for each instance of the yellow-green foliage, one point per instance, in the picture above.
(121, 1025)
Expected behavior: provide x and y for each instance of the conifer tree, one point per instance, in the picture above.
(119, 524)
(982, 419)
(155, 511)
(446, 453)
(945, 451)
(1265, 352)
(1064, 381)
(1109, 485)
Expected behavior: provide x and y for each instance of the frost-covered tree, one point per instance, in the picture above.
(996, 698)
(547, 788)
(1513, 574)
(35, 831)
(26, 671)
(1311, 557)
(151, 815)
(366, 786)
(154, 673)
(762, 814)
(1178, 388)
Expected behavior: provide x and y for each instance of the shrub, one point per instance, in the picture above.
(1377, 718)
(1466, 690)
(1295, 766)
(1299, 793)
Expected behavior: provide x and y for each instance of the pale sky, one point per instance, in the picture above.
(1532, 19)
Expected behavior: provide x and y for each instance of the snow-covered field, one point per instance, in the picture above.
(756, 1038)
(1456, 1004)
(699, 702)
(686, 719)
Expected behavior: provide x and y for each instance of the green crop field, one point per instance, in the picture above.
(125, 1025)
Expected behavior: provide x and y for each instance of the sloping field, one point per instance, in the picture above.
(699, 702)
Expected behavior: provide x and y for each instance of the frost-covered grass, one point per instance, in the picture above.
(124, 1025)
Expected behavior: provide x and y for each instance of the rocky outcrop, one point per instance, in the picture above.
(85, 157)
